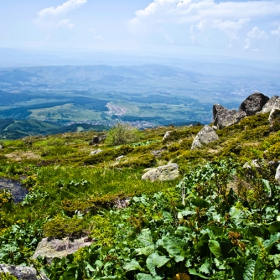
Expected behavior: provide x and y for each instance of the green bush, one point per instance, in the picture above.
(122, 134)
(62, 226)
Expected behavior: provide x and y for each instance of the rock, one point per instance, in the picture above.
(58, 248)
(277, 175)
(274, 114)
(166, 135)
(254, 163)
(97, 139)
(22, 272)
(119, 158)
(95, 152)
(205, 136)
(273, 102)
(1, 147)
(253, 103)
(162, 173)
(223, 117)
(157, 153)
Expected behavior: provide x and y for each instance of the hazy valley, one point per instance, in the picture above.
(97, 96)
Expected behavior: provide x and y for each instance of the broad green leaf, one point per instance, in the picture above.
(144, 276)
(175, 247)
(133, 265)
(249, 270)
(155, 260)
(146, 251)
(274, 227)
(145, 238)
(255, 270)
(194, 272)
(268, 244)
(215, 248)
(201, 203)
(205, 267)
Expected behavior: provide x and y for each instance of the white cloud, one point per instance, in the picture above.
(257, 33)
(276, 32)
(62, 9)
(52, 17)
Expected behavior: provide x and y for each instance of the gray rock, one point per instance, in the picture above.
(273, 102)
(97, 139)
(119, 158)
(157, 153)
(22, 272)
(277, 175)
(167, 135)
(223, 117)
(58, 248)
(275, 113)
(253, 103)
(254, 163)
(162, 173)
(205, 136)
(95, 152)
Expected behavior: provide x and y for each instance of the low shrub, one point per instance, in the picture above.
(122, 134)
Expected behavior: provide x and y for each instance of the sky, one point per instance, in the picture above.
(240, 28)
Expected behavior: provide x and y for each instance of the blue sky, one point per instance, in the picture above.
(244, 29)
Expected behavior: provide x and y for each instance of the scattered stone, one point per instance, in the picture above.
(157, 153)
(253, 103)
(18, 191)
(254, 163)
(119, 158)
(167, 135)
(58, 248)
(95, 152)
(22, 272)
(162, 173)
(223, 117)
(97, 139)
(277, 175)
(204, 137)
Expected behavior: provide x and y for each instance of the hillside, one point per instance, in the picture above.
(219, 219)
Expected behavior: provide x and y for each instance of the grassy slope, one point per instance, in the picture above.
(63, 178)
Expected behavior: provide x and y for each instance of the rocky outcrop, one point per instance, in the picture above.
(223, 117)
(205, 136)
(273, 102)
(58, 248)
(162, 173)
(253, 103)
(22, 272)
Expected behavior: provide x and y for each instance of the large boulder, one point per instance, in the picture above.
(97, 139)
(162, 173)
(253, 103)
(22, 272)
(273, 102)
(205, 136)
(223, 117)
(58, 248)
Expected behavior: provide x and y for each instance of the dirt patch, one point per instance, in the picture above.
(19, 156)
